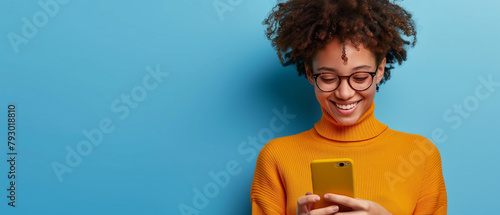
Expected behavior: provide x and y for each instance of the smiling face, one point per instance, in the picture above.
(345, 104)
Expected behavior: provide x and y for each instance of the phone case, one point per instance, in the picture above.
(330, 176)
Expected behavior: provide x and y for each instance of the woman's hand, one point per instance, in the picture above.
(359, 206)
(304, 204)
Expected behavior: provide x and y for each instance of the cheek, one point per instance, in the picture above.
(368, 94)
(321, 96)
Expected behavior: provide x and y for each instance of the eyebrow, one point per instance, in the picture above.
(334, 70)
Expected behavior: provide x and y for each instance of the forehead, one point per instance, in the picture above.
(331, 56)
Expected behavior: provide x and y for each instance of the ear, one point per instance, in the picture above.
(309, 73)
(381, 70)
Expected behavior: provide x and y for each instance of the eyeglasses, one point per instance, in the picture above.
(359, 81)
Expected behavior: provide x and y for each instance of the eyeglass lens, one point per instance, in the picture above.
(358, 81)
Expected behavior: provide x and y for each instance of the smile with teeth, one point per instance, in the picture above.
(347, 107)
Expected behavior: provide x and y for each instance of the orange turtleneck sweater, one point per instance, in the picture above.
(399, 171)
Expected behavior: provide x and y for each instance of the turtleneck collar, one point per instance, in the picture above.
(365, 128)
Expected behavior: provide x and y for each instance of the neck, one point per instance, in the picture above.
(365, 128)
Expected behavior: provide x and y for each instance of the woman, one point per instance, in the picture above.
(346, 49)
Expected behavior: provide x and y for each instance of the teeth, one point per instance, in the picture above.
(346, 107)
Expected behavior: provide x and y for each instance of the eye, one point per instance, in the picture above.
(328, 78)
(360, 77)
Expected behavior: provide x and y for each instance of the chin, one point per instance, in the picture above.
(347, 121)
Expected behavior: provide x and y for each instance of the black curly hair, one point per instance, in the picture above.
(299, 28)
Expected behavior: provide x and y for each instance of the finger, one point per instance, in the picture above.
(304, 202)
(311, 198)
(343, 200)
(351, 213)
(326, 210)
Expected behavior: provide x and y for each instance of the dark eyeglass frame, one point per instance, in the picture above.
(315, 77)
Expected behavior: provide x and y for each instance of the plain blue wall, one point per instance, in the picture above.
(218, 84)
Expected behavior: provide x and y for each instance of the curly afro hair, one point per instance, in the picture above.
(299, 28)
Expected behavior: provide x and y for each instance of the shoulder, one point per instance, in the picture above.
(277, 145)
(405, 134)
(416, 142)
(286, 141)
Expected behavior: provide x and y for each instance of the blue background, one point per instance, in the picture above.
(224, 80)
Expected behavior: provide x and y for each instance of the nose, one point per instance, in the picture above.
(344, 91)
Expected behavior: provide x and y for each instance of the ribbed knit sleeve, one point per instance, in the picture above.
(267, 192)
(432, 198)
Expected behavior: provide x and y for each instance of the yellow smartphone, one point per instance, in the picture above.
(332, 176)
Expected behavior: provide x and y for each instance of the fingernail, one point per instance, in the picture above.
(316, 198)
(326, 196)
(308, 193)
(335, 208)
